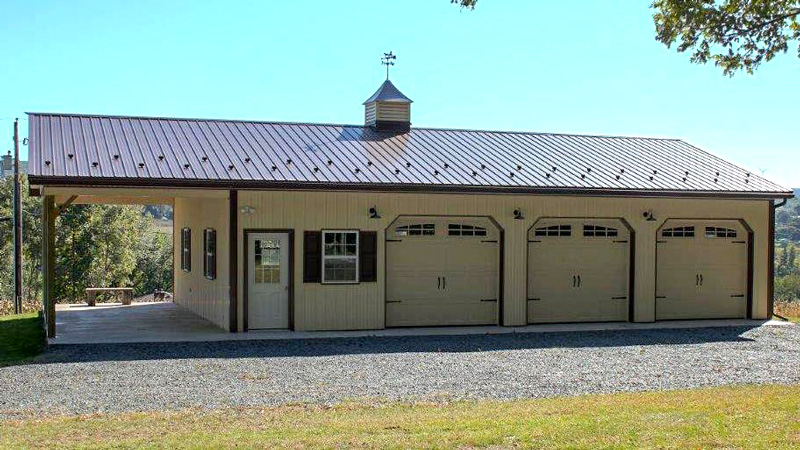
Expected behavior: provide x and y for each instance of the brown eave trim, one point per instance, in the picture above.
(388, 187)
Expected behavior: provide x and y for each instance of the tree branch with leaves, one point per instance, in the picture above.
(733, 34)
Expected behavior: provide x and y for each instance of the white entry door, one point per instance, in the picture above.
(268, 280)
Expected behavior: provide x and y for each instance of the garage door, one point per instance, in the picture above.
(442, 271)
(701, 270)
(578, 271)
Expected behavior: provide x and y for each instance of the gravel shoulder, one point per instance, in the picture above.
(136, 377)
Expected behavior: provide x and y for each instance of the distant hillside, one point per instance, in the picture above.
(787, 220)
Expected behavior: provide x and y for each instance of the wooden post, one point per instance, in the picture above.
(17, 225)
(49, 262)
(233, 261)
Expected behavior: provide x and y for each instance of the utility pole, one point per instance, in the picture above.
(17, 226)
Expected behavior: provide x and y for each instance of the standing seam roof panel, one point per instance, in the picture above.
(362, 155)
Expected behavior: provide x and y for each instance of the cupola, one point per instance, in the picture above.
(388, 109)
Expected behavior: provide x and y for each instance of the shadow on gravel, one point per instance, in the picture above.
(387, 345)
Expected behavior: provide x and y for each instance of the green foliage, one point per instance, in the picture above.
(469, 4)
(31, 242)
(787, 221)
(96, 246)
(787, 287)
(21, 337)
(155, 254)
(734, 34)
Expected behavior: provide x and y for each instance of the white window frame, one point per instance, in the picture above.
(341, 257)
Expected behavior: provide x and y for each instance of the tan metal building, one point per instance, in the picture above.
(342, 227)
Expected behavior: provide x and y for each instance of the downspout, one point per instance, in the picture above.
(771, 308)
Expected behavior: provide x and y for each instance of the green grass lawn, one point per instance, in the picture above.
(21, 338)
(748, 417)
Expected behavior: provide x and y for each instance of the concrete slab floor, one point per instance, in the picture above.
(169, 322)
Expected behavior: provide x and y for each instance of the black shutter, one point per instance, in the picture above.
(210, 253)
(312, 257)
(186, 249)
(368, 256)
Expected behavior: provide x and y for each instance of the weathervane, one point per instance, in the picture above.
(388, 60)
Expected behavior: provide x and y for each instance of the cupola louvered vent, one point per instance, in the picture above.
(388, 109)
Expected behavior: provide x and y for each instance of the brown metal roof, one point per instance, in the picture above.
(142, 151)
(387, 92)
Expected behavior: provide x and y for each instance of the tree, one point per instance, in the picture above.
(96, 245)
(734, 34)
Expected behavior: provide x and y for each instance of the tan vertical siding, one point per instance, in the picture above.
(325, 307)
(207, 298)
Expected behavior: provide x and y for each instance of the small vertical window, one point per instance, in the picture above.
(186, 249)
(210, 253)
(340, 256)
(267, 261)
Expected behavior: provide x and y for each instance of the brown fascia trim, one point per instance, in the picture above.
(138, 183)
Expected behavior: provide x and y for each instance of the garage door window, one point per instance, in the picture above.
(417, 229)
(678, 232)
(599, 231)
(340, 257)
(457, 229)
(717, 232)
(554, 230)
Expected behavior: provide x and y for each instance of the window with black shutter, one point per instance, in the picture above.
(368, 256)
(210, 253)
(312, 256)
(186, 249)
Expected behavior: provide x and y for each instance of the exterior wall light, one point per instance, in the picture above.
(518, 214)
(373, 213)
(648, 215)
(248, 209)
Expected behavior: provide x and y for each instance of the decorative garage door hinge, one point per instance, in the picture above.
(737, 295)
(660, 296)
(393, 301)
(738, 242)
(661, 242)
(619, 298)
(394, 240)
(488, 299)
(531, 241)
(620, 242)
(490, 242)
(535, 299)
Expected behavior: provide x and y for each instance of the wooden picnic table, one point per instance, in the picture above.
(91, 294)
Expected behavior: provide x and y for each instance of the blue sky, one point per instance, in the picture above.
(590, 67)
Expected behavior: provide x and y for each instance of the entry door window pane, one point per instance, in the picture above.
(267, 261)
(339, 256)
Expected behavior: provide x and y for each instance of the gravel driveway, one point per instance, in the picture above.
(129, 377)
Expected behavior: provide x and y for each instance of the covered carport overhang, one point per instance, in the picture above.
(56, 198)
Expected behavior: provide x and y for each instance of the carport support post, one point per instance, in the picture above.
(49, 262)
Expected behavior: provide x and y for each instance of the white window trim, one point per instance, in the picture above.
(356, 257)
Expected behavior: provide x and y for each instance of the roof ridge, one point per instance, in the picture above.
(331, 124)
